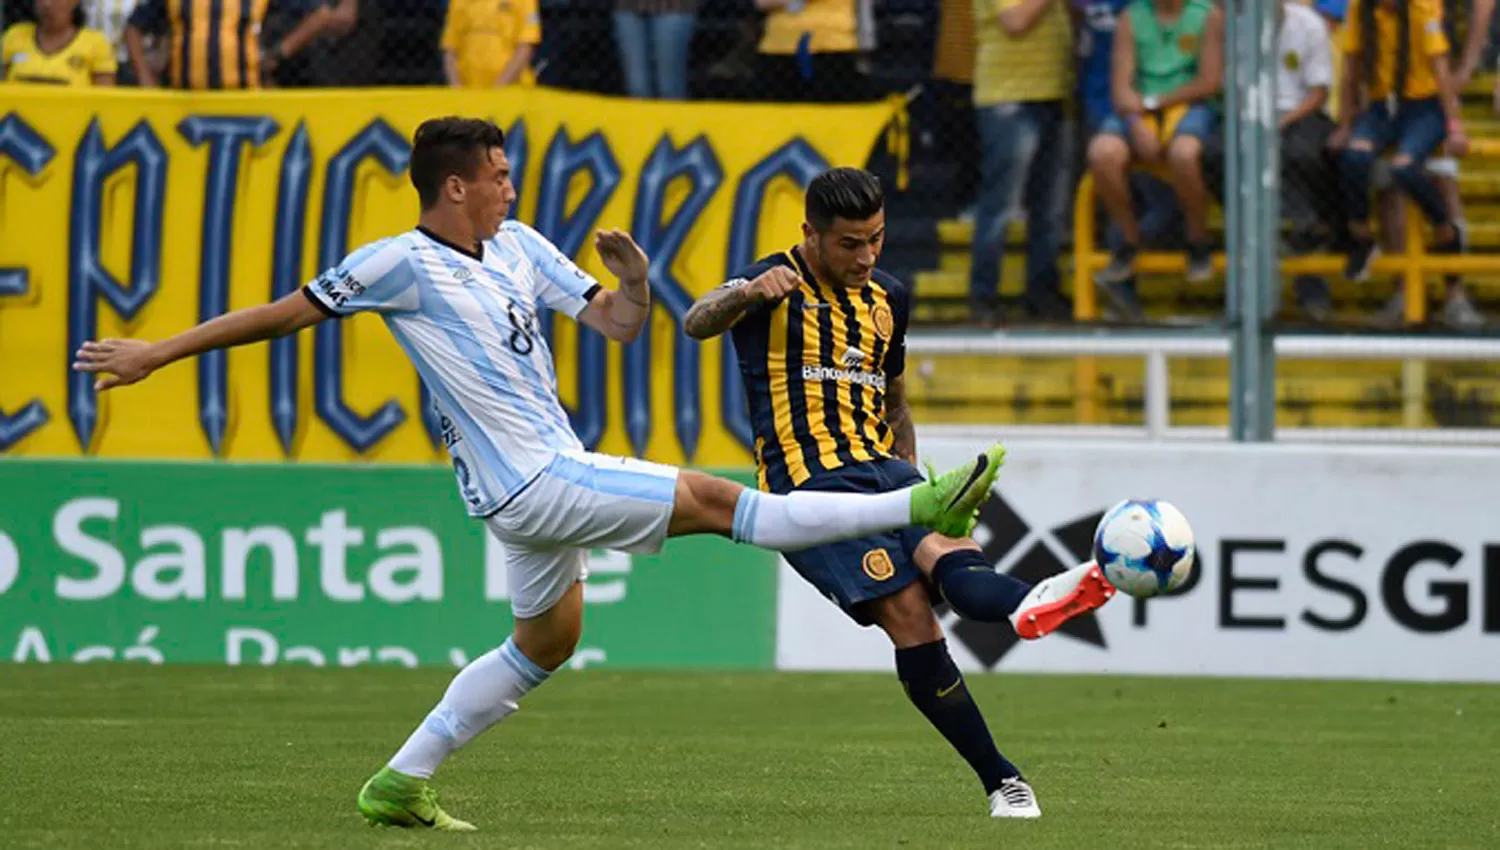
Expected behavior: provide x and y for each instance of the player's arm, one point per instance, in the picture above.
(898, 417)
(1210, 65)
(620, 313)
(127, 361)
(722, 308)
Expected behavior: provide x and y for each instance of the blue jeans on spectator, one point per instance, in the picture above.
(654, 53)
(1022, 153)
(1416, 130)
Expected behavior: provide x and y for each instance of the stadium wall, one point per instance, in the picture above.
(1314, 562)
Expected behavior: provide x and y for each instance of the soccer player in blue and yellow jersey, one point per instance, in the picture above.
(821, 338)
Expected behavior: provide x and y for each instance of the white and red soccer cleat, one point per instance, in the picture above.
(1058, 599)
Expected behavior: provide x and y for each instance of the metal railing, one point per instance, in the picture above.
(1157, 349)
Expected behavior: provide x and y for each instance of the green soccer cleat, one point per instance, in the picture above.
(395, 799)
(949, 503)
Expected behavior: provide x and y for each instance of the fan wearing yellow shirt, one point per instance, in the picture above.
(57, 49)
(489, 43)
(1395, 50)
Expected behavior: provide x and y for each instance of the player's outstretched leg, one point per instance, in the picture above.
(392, 798)
(1058, 599)
(802, 519)
(485, 692)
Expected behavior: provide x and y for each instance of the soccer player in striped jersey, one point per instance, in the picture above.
(460, 295)
(821, 339)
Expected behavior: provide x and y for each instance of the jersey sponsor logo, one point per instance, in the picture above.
(853, 357)
(883, 321)
(828, 373)
(878, 565)
(1188, 43)
(341, 288)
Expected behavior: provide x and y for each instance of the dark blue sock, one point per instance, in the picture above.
(937, 689)
(974, 589)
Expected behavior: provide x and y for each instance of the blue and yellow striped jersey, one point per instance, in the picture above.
(815, 367)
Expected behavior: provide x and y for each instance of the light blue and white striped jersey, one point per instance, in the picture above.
(469, 325)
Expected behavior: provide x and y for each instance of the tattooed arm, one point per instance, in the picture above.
(898, 416)
(721, 309)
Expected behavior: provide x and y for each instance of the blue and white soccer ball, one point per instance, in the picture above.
(1144, 546)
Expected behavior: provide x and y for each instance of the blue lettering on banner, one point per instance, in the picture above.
(28, 149)
(225, 136)
(569, 232)
(797, 160)
(389, 148)
(286, 278)
(662, 241)
(88, 279)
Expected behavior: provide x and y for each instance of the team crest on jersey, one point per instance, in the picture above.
(76, 63)
(1292, 61)
(878, 564)
(1187, 43)
(881, 316)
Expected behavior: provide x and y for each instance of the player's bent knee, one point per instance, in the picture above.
(934, 546)
(549, 638)
(906, 616)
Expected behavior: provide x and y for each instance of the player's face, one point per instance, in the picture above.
(848, 250)
(488, 197)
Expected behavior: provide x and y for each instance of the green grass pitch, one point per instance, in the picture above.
(129, 756)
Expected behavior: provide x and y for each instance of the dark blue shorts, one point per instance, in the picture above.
(855, 571)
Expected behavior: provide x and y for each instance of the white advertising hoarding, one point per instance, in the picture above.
(1314, 561)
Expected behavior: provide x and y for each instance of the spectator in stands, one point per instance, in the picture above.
(57, 49)
(109, 17)
(211, 47)
(1021, 77)
(809, 51)
(653, 38)
(1095, 21)
(1395, 48)
(489, 43)
(1309, 192)
(345, 52)
(1168, 61)
(948, 124)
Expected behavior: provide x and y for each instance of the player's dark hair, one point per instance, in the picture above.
(448, 146)
(853, 194)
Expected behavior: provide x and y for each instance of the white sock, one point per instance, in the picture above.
(481, 695)
(804, 519)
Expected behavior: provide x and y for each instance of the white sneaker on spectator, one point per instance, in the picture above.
(1459, 311)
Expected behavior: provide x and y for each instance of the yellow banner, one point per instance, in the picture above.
(138, 214)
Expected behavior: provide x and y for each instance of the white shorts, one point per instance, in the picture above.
(581, 501)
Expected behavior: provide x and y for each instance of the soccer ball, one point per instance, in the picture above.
(1144, 546)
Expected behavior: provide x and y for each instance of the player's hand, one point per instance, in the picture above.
(125, 360)
(624, 259)
(773, 284)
